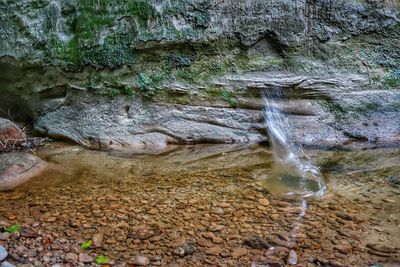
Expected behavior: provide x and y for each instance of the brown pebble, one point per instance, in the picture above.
(239, 252)
(263, 202)
(214, 251)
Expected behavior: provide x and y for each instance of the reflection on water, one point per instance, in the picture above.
(194, 190)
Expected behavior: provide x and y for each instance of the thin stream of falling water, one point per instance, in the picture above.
(297, 225)
(293, 173)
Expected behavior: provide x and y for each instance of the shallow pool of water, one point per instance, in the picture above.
(211, 199)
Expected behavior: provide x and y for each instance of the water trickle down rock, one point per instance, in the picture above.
(293, 173)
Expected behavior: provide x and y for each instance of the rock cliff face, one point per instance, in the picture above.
(108, 73)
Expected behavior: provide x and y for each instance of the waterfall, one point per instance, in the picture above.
(293, 172)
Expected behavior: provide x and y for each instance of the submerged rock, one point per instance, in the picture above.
(17, 168)
(292, 258)
(3, 253)
(7, 264)
(140, 261)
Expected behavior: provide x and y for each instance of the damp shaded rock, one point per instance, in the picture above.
(382, 249)
(257, 242)
(344, 216)
(187, 249)
(10, 135)
(145, 231)
(394, 180)
(17, 168)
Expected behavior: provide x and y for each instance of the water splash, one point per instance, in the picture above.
(293, 173)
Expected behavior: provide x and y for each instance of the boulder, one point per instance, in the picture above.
(10, 135)
(17, 168)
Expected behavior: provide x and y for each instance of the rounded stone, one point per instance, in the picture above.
(140, 261)
(17, 168)
(6, 264)
(3, 253)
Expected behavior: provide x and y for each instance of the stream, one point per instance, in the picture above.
(205, 205)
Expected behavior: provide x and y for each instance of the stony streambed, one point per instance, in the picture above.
(202, 206)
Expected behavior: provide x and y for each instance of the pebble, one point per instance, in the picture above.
(280, 242)
(216, 250)
(153, 211)
(140, 261)
(263, 202)
(29, 233)
(383, 249)
(4, 236)
(7, 264)
(85, 258)
(216, 228)
(344, 216)
(179, 251)
(239, 252)
(187, 249)
(3, 253)
(204, 242)
(98, 240)
(71, 257)
(344, 248)
(155, 258)
(257, 242)
(292, 258)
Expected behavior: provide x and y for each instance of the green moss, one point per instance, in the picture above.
(392, 79)
(367, 107)
(96, 18)
(173, 10)
(149, 83)
(333, 107)
(68, 52)
(178, 61)
(230, 98)
(216, 93)
(141, 10)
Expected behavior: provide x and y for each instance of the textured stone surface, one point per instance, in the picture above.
(16, 168)
(103, 33)
(10, 134)
(114, 74)
(323, 111)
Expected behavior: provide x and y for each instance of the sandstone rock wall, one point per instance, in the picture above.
(109, 73)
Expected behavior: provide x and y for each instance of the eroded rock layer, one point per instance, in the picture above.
(146, 73)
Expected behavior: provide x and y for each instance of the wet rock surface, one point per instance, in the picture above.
(201, 206)
(141, 124)
(17, 168)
